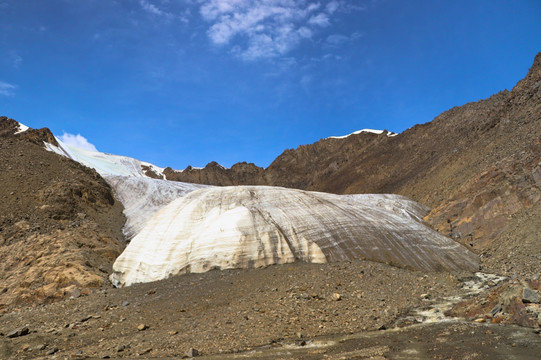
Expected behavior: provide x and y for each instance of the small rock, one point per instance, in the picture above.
(172, 333)
(145, 351)
(40, 347)
(86, 318)
(300, 342)
(191, 353)
(18, 332)
(425, 296)
(75, 294)
(530, 296)
(120, 348)
(51, 351)
(479, 320)
(125, 303)
(25, 347)
(496, 309)
(142, 327)
(336, 297)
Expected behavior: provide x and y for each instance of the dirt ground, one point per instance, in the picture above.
(305, 311)
(224, 311)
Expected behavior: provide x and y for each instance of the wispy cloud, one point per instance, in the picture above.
(7, 89)
(154, 10)
(335, 40)
(257, 29)
(77, 141)
(15, 59)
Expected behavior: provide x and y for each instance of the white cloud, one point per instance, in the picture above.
(15, 59)
(320, 20)
(77, 141)
(153, 9)
(7, 89)
(258, 29)
(339, 39)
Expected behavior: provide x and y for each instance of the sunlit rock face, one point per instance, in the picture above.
(256, 226)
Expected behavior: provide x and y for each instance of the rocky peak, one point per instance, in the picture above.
(10, 127)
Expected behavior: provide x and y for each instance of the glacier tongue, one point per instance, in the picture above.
(255, 226)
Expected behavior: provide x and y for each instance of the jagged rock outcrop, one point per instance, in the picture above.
(60, 226)
(254, 226)
(214, 174)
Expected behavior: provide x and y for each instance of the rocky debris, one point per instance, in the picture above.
(142, 327)
(18, 332)
(511, 302)
(233, 309)
(58, 227)
(336, 297)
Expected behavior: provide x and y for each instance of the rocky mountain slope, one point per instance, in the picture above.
(478, 166)
(256, 226)
(60, 226)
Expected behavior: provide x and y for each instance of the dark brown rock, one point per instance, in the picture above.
(18, 332)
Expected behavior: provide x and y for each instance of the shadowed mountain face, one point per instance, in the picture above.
(60, 227)
(477, 165)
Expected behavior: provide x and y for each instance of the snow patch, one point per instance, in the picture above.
(105, 164)
(22, 128)
(372, 131)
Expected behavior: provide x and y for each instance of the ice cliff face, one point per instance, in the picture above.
(253, 226)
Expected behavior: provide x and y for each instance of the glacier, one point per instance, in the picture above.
(143, 197)
(256, 226)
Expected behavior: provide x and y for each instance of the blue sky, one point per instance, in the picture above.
(186, 82)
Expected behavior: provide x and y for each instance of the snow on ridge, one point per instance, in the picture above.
(105, 164)
(22, 128)
(372, 131)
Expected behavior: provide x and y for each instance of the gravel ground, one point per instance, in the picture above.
(224, 311)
